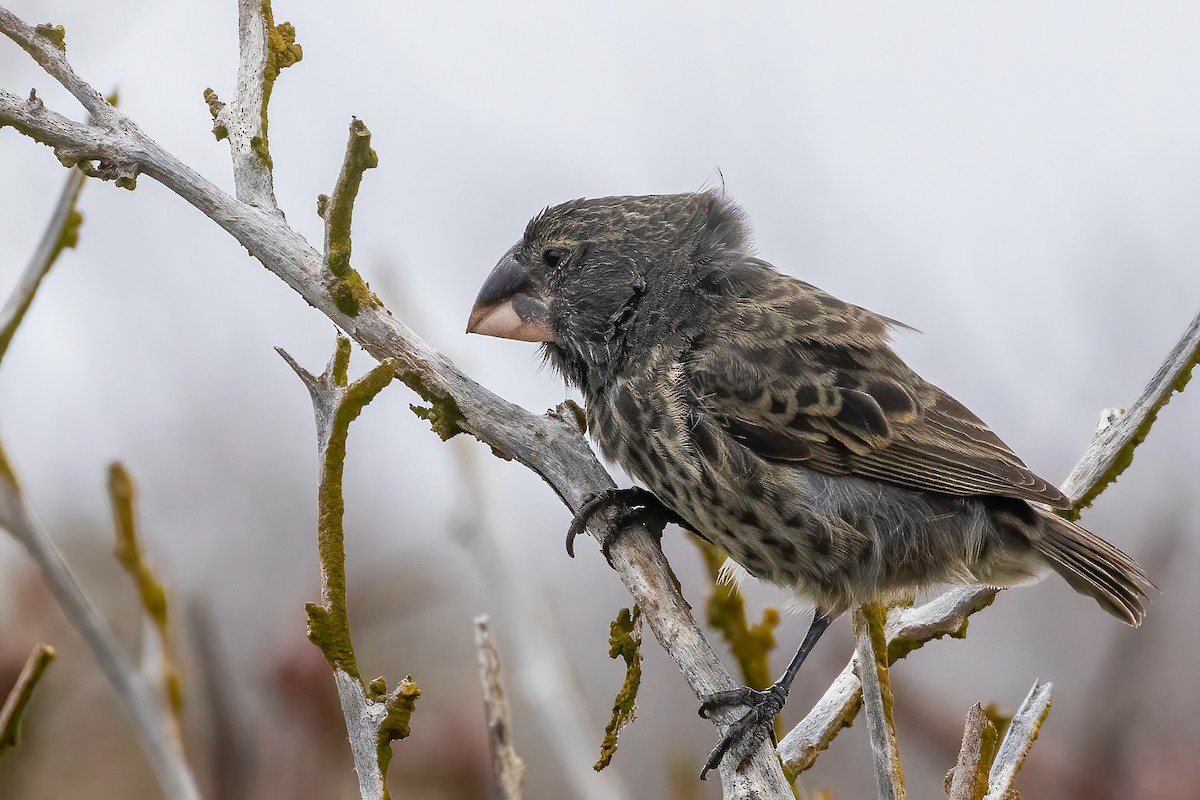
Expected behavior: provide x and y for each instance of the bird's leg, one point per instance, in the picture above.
(638, 505)
(764, 704)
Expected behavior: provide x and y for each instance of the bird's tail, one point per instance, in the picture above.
(1096, 568)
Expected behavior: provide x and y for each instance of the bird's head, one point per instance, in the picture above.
(596, 279)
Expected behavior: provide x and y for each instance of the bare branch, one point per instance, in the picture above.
(152, 720)
(550, 446)
(1017, 741)
(374, 716)
(47, 45)
(507, 767)
(1111, 450)
(61, 232)
(22, 692)
(265, 49)
(158, 665)
(871, 651)
(969, 778)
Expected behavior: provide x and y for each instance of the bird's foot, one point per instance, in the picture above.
(638, 505)
(752, 727)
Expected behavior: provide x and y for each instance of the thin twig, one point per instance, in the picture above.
(150, 717)
(146, 707)
(374, 716)
(969, 779)
(22, 692)
(61, 232)
(158, 664)
(1017, 741)
(507, 767)
(871, 651)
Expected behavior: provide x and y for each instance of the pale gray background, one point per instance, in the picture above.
(1017, 181)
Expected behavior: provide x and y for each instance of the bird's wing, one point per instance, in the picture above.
(796, 375)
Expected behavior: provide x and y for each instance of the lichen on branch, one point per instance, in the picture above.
(625, 642)
(375, 717)
(350, 292)
(151, 591)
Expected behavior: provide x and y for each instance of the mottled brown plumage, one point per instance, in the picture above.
(777, 421)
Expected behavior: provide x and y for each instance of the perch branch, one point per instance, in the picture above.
(507, 767)
(550, 446)
(158, 665)
(870, 646)
(1017, 741)
(22, 692)
(969, 778)
(374, 716)
(946, 615)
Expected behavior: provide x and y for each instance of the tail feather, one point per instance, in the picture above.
(1096, 568)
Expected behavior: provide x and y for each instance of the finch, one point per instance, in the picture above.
(776, 422)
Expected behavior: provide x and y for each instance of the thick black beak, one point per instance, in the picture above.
(509, 306)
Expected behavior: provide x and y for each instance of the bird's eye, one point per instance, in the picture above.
(554, 256)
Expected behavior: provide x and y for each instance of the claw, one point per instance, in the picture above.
(641, 505)
(748, 730)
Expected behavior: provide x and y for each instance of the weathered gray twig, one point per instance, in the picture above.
(374, 716)
(1017, 741)
(870, 648)
(22, 692)
(265, 49)
(158, 665)
(61, 232)
(969, 778)
(147, 710)
(507, 767)
(150, 717)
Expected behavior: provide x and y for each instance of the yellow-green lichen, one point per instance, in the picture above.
(442, 413)
(151, 591)
(329, 624)
(624, 641)
(55, 34)
(214, 108)
(6, 471)
(397, 724)
(282, 52)
(14, 707)
(350, 292)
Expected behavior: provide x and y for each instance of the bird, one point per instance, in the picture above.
(776, 422)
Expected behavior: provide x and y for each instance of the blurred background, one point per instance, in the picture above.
(1018, 181)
